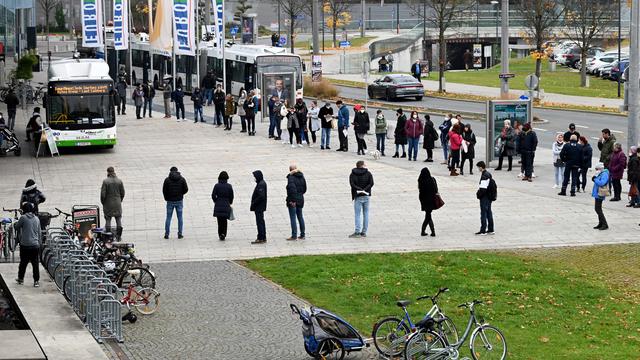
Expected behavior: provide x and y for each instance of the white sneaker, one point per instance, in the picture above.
(555, 186)
(533, 175)
(293, 146)
(310, 145)
(521, 175)
(299, 145)
(285, 142)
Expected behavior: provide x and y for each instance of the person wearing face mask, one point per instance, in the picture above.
(325, 114)
(273, 105)
(400, 134)
(381, 132)
(178, 99)
(455, 144)
(301, 112)
(361, 126)
(413, 128)
(343, 126)
(314, 121)
(167, 96)
(138, 100)
(444, 136)
(558, 164)
(508, 137)
(599, 193)
(617, 164)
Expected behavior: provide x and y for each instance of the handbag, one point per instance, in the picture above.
(232, 216)
(438, 202)
(633, 191)
(603, 191)
(334, 124)
(560, 163)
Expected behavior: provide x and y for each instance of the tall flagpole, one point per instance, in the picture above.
(130, 42)
(197, 44)
(224, 62)
(104, 30)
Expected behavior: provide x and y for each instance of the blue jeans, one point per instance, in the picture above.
(361, 208)
(413, 147)
(380, 138)
(559, 174)
(197, 110)
(208, 96)
(293, 213)
(147, 105)
(486, 216)
(272, 124)
(445, 148)
(177, 205)
(325, 139)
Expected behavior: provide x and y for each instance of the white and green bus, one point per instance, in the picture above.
(80, 103)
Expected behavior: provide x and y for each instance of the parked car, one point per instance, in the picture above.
(617, 68)
(572, 55)
(600, 61)
(395, 86)
(561, 47)
(604, 71)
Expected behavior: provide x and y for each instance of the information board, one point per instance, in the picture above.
(497, 112)
(85, 217)
(51, 141)
(68, 88)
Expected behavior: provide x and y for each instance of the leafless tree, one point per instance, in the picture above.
(441, 15)
(47, 7)
(292, 9)
(585, 21)
(336, 11)
(540, 17)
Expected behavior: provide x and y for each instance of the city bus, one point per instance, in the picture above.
(80, 103)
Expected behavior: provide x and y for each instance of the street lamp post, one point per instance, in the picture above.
(504, 50)
(619, 41)
(477, 21)
(424, 30)
(495, 4)
(633, 81)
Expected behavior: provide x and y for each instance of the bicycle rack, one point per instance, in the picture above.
(104, 312)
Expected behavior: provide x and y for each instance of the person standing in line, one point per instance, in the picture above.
(444, 137)
(314, 120)
(416, 71)
(33, 195)
(296, 188)
(605, 145)
(259, 206)
(430, 136)
(294, 128)
(301, 111)
(455, 144)
(572, 131)
(361, 125)
(273, 107)
(222, 196)
(413, 129)
(400, 134)
(280, 113)
(121, 89)
(381, 131)
(28, 226)
(138, 100)
(600, 181)
(208, 84)
(571, 155)
(585, 164)
(558, 164)
(167, 95)
(248, 110)
(390, 60)
(218, 103)
(149, 94)
(361, 182)
(617, 164)
(486, 194)
(508, 148)
(251, 122)
(528, 147)
(173, 190)
(468, 149)
(197, 99)
(178, 99)
(12, 102)
(343, 126)
(427, 189)
(633, 175)
(325, 114)
(111, 196)
(229, 111)
(243, 114)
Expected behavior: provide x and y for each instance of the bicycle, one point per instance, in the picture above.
(146, 301)
(486, 341)
(6, 233)
(11, 235)
(389, 334)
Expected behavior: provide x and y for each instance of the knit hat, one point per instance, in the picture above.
(634, 149)
(173, 168)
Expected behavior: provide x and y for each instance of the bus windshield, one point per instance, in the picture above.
(78, 112)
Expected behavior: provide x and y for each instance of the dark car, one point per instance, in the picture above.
(396, 86)
(572, 55)
(617, 68)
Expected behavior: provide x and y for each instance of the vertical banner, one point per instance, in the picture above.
(92, 35)
(477, 56)
(160, 38)
(218, 5)
(120, 25)
(184, 38)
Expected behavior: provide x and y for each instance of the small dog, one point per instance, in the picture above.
(375, 154)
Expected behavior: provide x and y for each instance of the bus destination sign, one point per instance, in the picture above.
(80, 89)
(277, 60)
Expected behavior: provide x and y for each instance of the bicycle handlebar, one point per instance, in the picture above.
(435, 297)
(14, 211)
(470, 304)
(62, 212)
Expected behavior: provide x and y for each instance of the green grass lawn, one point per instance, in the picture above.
(562, 81)
(328, 42)
(551, 304)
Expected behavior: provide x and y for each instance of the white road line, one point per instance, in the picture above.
(617, 132)
(582, 126)
(539, 129)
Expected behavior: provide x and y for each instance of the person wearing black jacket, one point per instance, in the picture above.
(361, 126)
(173, 190)
(222, 196)
(361, 182)
(219, 97)
(571, 155)
(259, 206)
(32, 195)
(585, 164)
(484, 195)
(427, 188)
(528, 147)
(325, 114)
(400, 134)
(469, 138)
(430, 137)
(178, 99)
(296, 188)
(208, 83)
(12, 105)
(149, 94)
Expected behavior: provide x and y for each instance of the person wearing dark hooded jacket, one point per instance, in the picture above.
(430, 137)
(111, 196)
(31, 194)
(427, 189)
(28, 227)
(296, 188)
(222, 196)
(259, 206)
(361, 125)
(361, 182)
(173, 189)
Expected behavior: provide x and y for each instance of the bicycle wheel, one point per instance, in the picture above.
(10, 239)
(66, 288)
(425, 345)
(330, 349)
(146, 300)
(139, 277)
(448, 331)
(487, 342)
(51, 265)
(389, 336)
(4, 246)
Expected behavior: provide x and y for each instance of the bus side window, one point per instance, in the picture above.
(304, 66)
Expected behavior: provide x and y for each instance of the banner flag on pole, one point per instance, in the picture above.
(92, 31)
(184, 36)
(160, 38)
(218, 5)
(120, 24)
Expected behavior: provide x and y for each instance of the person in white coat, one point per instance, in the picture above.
(314, 120)
(558, 164)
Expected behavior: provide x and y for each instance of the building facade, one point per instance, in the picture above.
(17, 26)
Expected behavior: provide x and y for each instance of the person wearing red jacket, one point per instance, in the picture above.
(413, 128)
(455, 143)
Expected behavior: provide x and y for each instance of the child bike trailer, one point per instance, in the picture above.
(326, 335)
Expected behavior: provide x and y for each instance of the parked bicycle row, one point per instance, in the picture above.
(328, 336)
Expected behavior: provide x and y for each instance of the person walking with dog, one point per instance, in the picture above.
(111, 196)
(259, 206)
(296, 188)
(381, 131)
(361, 125)
(361, 182)
(222, 196)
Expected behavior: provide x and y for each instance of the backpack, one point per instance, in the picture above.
(492, 190)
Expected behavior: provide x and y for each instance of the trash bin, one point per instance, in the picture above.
(552, 65)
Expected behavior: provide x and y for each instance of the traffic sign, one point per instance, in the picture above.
(345, 44)
(283, 40)
(507, 76)
(234, 30)
(531, 81)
